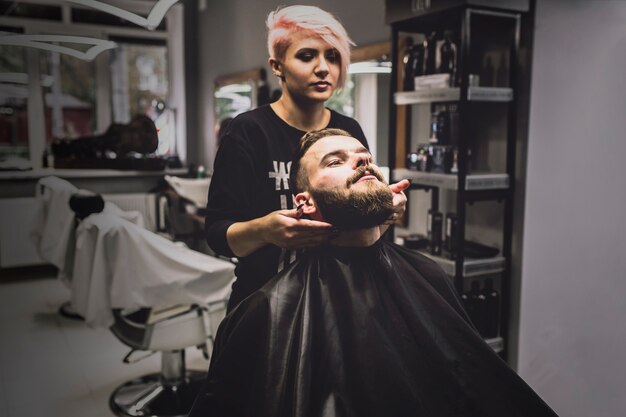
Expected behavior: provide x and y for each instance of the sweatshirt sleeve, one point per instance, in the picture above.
(231, 191)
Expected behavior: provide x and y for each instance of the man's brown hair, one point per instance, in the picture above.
(298, 180)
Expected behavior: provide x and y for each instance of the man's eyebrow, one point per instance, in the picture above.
(343, 153)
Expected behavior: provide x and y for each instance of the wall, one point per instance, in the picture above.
(231, 38)
(573, 290)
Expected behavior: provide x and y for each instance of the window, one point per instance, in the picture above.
(343, 101)
(140, 85)
(70, 99)
(80, 98)
(13, 103)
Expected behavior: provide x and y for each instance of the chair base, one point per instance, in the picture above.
(152, 396)
(67, 311)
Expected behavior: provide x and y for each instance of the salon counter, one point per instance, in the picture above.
(14, 184)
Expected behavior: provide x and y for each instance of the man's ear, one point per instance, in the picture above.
(308, 203)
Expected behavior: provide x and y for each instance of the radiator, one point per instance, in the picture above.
(145, 203)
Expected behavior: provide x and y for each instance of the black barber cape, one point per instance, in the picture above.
(376, 331)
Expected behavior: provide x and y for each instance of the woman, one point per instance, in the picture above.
(250, 207)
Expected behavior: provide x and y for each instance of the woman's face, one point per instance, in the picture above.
(310, 68)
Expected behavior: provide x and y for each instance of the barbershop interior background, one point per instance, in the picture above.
(565, 332)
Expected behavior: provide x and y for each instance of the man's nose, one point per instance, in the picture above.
(361, 160)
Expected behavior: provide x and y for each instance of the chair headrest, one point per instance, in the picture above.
(85, 204)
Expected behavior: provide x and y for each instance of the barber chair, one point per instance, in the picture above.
(167, 330)
(172, 391)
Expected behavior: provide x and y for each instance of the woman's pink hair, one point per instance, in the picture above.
(282, 22)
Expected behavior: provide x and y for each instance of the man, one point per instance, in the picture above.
(359, 327)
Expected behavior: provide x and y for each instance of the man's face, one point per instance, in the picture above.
(349, 191)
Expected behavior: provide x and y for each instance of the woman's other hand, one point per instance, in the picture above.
(399, 200)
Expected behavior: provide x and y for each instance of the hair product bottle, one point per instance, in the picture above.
(492, 307)
(436, 229)
(479, 311)
(448, 56)
(431, 54)
(450, 240)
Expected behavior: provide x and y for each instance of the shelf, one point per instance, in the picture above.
(434, 95)
(473, 182)
(496, 343)
(427, 95)
(490, 94)
(471, 266)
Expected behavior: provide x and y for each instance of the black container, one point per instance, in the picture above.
(451, 233)
(423, 162)
(412, 160)
(413, 65)
(492, 309)
(478, 311)
(441, 158)
(431, 54)
(448, 54)
(436, 232)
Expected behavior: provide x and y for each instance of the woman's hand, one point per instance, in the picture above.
(283, 228)
(286, 229)
(399, 200)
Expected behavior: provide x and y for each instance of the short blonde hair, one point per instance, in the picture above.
(282, 22)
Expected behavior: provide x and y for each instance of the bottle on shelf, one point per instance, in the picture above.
(407, 80)
(467, 305)
(478, 312)
(492, 309)
(502, 72)
(201, 172)
(443, 128)
(487, 77)
(436, 227)
(413, 65)
(48, 157)
(434, 128)
(431, 54)
(451, 233)
(448, 54)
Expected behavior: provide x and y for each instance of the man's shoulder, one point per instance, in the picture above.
(425, 266)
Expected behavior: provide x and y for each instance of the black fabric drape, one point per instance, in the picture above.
(376, 331)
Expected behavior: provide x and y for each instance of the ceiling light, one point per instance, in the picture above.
(156, 15)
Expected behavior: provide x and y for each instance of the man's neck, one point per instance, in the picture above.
(357, 238)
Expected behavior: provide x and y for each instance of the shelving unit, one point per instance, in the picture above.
(471, 267)
(479, 32)
(473, 182)
(438, 95)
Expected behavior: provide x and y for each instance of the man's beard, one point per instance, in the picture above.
(350, 209)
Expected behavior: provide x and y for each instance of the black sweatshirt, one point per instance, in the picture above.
(250, 180)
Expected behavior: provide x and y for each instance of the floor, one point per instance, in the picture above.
(51, 366)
